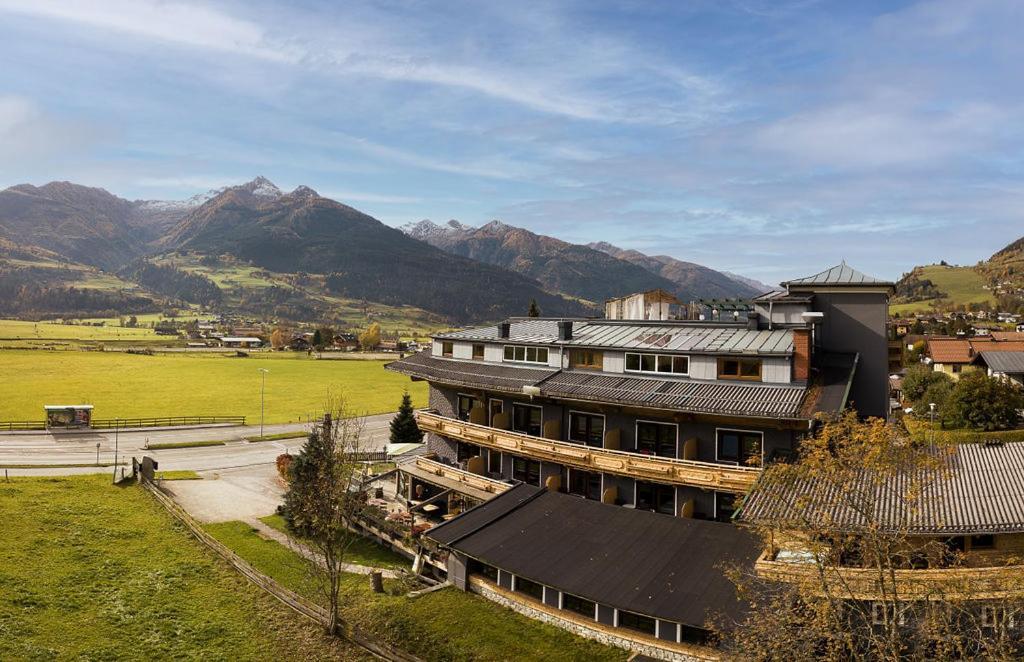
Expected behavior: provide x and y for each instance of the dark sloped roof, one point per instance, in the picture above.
(658, 565)
(475, 374)
(836, 376)
(707, 397)
(1005, 362)
(979, 488)
(839, 275)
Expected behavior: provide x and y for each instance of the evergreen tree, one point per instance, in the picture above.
(318, 339)
(534, 310)
(403, 426)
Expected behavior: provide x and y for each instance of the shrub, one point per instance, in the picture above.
(284, 463)
(981, 402)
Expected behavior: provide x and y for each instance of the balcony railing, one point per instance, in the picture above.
(986, 583)
(622, 463)
(461, 476)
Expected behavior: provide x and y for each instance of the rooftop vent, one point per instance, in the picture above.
(565, 330)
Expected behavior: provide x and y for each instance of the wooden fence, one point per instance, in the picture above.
(287, 597)
(110, 423)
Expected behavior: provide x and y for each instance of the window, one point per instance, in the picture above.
(493, 462)
(577, 604)
(997, 617)
(526, 354)
(495, 407)
(957, 368)
(447, 348)
(527, 419)
(532, 589)
(488, 571)
(586, 429)
(881, 613)
(739, 446)
(527, 471)
(464, 451)
(585, 484)
(478, 352)
(983, 542)
(725, 506)
(465, 405)
(663, 363)
(656, 438)
(659, 498)
(586, 359)
(748, 369)
(638, 622)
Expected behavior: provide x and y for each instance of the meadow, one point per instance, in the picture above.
(132, 385)
(961, 285)
(98, 572)
(41, 332)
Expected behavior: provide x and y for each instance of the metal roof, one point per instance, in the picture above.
(475, 374)
(697, 396)
(1005, 362)
(842, 274)
(664, 336)
(657, 565)
(977, 489)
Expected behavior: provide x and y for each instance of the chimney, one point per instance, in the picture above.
(503, 329)
(801, 354)
(565, 330)
(752, 320)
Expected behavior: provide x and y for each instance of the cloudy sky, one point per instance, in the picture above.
(764, 137)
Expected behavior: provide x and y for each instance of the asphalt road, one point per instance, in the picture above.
(80, 448)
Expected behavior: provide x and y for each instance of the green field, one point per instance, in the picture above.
(443, 625)
(961, 285)
(89, 571)
(48, 331)
(131, 385)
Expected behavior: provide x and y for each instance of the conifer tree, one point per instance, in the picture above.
(534, 310)
(403, 426)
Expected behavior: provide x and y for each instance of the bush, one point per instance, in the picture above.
(918, 380)
(985, 403)
(284, 463)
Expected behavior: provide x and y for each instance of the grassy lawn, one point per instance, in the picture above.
(183, 474)
(186, 444)
(130, 385)
(362, 551)
(279, 436)
(444, 625)
(962, 285)
(95, 572)
(21, 330)
(924, 431)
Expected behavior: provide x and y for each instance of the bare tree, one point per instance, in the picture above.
(324, 499)
(859, 579)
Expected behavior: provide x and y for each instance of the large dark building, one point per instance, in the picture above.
(669, 416)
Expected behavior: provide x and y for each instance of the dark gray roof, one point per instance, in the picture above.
(658, 565)
(476, 374)
(685, 395)
(979, 489)
(707, 397)
(659, 336)
(839, 275)
(1005, 362)
(836, 376)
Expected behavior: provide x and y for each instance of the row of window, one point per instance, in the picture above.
(586, 359)
(742, 447)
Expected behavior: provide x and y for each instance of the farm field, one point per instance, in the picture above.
(131, 385)
(19, 330)
(962, 285)
(98, 572)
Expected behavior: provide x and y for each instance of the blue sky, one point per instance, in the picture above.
(768, 138)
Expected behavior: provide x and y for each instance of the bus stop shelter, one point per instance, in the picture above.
(68, 416)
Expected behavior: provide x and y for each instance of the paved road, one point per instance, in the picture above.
(80, 448)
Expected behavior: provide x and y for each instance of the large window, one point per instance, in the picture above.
(725, 506)
(493, 462)
(483, 569)
(586, 359)
(527, 471)
(579, 605)
(464, 451)
(747, 369)
(495, 406)
(663, 363)
(585, 484)
(586, 429)
(465, 405)
(740, 446)
(447, 348)
(656, 438)
(526, 354)
(532, 589)
(478, 352)
(638, 622)
(659, 498)
(527, 419)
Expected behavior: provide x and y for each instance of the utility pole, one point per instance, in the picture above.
(263, 385)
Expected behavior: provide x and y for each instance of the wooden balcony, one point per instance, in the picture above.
(673, 471)
(455, 478)
(987, 583)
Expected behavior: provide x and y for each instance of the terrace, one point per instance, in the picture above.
(673, 471)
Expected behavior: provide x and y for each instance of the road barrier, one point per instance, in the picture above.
(287, 597)
(22, 425)
(111, 423)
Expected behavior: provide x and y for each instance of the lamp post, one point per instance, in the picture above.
(117, 427)
(931, 407)
(263, 384)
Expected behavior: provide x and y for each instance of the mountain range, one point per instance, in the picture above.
(461, 273)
